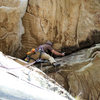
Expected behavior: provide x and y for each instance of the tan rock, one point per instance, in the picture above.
(79, 74)
(66, 23)
(86, 80)
(11, 27)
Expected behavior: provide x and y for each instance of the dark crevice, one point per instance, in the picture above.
(89, 42)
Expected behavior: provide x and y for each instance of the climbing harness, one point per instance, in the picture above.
(41, 50)
(33, 51)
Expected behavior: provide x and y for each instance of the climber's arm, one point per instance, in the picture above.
(57, 53)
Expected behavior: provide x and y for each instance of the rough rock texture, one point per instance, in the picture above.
(11, 27)
(80, 73)
(69, 24)
(21, 83)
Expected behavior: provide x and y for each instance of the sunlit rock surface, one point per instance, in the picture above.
(11, 28)
(20, 83)
(69, 24)
(80, 73)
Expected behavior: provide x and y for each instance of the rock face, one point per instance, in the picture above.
(11, 28)
(80, 73)
(86, 80)
(69, 24)
(27, 84)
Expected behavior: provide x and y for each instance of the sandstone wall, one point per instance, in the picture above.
(83, 79)
(11, 28)
(69, 24)
(79, 74)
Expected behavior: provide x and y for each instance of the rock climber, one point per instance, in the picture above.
(41, 52)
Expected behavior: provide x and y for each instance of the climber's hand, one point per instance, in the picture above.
(63, 54)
